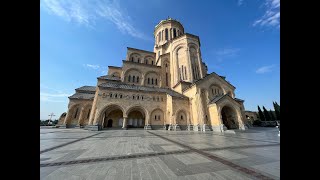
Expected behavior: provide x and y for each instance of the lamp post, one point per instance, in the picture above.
(50, 117)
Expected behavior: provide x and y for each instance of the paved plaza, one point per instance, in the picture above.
(159, 154)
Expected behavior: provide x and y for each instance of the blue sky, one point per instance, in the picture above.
(240, 39)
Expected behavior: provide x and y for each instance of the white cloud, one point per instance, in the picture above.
(86, 12)
(225, 53)
(228, 52)
(264, 69)
(240, 2)
(92, 66)
(52, 97)
(100, 69)
(271, 17)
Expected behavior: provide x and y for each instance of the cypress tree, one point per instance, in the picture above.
(266, 114)
(261, 116)
(277, 110)
(272, 116)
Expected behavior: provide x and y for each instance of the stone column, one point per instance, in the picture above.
(190, 75)
(80, 116)
(124, 123)
(67, 118)
(147, 123)
(200, 64)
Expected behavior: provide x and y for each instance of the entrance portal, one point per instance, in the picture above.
(229, 117)
(135, 119)
(110, 121)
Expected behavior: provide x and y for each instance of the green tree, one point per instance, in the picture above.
(261, 116)
(277, 110)
(266, 114)
(272, 116)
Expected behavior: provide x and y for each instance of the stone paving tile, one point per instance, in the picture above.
(256, 149)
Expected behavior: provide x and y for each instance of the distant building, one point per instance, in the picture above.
(167, 88)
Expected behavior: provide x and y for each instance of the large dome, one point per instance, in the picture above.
(168, 20)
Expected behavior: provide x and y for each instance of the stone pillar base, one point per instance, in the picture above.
(171, 127)
(206, 128)
(197, 127)
(190, 127)
(147, 127)
(63, 126)
(94, 127)
(177, 127)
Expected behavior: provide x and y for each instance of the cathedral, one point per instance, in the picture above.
(167, 89)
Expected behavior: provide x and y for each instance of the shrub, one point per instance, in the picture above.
(257, 123)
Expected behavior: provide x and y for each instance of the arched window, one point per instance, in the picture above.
(167, 79)
(137, 79)
(120, 96)
(159, 36)
(129, 78)
(166, 31)
(88, 113)
(146, 61)
(158, 117)
(142, 97)
(156, 81)
(174, 33)
(148, 80)
(155, 117)
(185, 72)
(158, 99)
(181, 117)
(138, 97)
(138, 60)
(132, 59)
(116, 95)
(133, 78)
(111, 95)
(151, 80)
(75, 115)
(133, 97)
(152, 62)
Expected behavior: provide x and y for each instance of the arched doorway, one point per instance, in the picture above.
(112, 116)
(136, 118)
(182, 119)
(229, 117)
(109, 123)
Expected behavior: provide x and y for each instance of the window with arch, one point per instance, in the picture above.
(120, 96)
(137, 79)
(159, 117)
(138, 97)
(166, 31)
(141, 97)
(75, 114)
(151, 80)
(156, 81)
(152, 62)
(148, 80)
(167, 84)
(155, 117)
(132, 59)
(133, 78)
(116, 95)
(129, 78)
(181, 117)
(174, 33)
(132, 96)
(88, 115)
(138, 60)
(111, 95)
(159, 36)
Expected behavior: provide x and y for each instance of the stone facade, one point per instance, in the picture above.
(169, 88)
